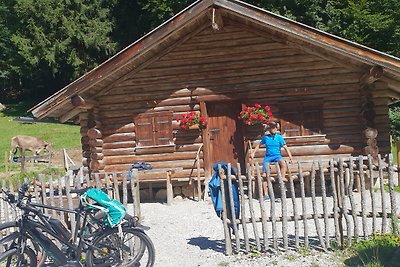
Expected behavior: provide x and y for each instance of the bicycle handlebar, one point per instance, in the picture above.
(80, 191)
(83, 190)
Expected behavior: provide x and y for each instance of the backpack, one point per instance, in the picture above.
(140, 166)
(114, 211)
(216, 194)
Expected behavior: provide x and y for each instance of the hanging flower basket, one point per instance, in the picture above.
(255, 115)
(192, 120)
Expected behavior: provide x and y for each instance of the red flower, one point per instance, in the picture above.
(256, 114)
(191, 118)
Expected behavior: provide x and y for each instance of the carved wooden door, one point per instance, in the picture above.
(225, 133)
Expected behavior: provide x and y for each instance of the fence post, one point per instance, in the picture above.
(314, 204)
(228, 241)
(372, 193)
(303, 204)
(135, 190)
(350, 173)
(7, 164)
(243, 210)
(363, 204)
(283, 207)
(393, 203)
(324, 204)
(398, 163)
(338, 235)
(343, 209)
(382, 189)
(262, 208)
(295, 212)
(232, 208)
(251, 208)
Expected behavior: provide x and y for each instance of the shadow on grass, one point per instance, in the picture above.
(380, 250)
(18, 109)
(386, 256)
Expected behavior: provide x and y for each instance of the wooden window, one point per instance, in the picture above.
(301, 118)
(154, 129)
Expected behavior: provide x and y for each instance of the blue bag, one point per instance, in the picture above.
(216, 194)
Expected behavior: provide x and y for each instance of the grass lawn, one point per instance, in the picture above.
(59, 135)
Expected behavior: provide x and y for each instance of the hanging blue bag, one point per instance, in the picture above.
(216, 194)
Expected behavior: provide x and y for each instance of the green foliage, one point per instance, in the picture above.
(386, 187)
(394, 117)
(50, 42)
(380, 250)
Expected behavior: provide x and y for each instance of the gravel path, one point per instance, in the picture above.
(188, 233)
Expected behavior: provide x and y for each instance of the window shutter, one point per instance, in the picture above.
(144, 130)
(291, 119)
(301, 118)
(312, 121)
(163, 128)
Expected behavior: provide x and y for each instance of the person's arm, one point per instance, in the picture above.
(289, 154)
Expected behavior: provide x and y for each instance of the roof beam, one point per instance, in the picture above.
(217, 22)
(70, 114)
(394, 85)
(79, 102)
(372, 75)
(393, 94)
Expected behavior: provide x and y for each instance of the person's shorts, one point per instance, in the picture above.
(267, 159)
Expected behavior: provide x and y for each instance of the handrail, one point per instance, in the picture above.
(198, 172)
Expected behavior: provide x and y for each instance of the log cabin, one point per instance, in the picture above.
(329, 95)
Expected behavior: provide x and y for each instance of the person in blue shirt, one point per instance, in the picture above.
(273, 142)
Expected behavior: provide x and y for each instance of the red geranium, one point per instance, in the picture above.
(255, 115)
(191, 118)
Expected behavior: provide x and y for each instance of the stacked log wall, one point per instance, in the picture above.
(83, 122)
(233, 64)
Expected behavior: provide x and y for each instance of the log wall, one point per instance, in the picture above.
(230, 64)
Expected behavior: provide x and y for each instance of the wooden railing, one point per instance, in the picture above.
(335, 210)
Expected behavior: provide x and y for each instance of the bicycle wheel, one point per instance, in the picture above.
(14, 258)
(132, 248)
(8, 236)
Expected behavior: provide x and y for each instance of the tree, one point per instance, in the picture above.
(53, 42)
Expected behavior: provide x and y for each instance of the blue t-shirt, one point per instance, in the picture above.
(273, 144)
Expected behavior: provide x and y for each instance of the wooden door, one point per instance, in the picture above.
(225, 133)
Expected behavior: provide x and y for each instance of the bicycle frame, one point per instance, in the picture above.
(29, 228)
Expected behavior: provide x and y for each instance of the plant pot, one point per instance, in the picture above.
(194, 126)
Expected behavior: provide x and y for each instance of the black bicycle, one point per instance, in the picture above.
(92, 243)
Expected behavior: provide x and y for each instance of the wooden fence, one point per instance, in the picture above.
(348, 199)
(56, 191)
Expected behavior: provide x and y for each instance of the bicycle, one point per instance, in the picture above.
(93, 242)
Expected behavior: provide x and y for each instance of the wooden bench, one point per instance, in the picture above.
(168, 172)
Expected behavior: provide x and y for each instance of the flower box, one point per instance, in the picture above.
(255, 115)
(192, 120)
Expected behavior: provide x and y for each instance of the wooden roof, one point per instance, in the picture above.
(200, 14)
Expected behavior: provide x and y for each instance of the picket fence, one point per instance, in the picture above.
(56, 192)
(324, 203)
